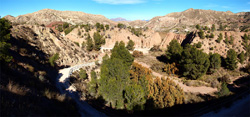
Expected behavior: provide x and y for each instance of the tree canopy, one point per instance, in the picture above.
(194, 62)
(4, 37)
(231, 60)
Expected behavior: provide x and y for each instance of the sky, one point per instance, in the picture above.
(128, 9)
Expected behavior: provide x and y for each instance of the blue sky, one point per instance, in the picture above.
(129, 9)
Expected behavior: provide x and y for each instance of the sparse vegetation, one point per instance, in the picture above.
(53, 59)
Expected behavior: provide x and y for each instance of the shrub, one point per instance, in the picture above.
(225, 78)
(130, 45)
(83, 74)
(155, 48)
(77, 44)
(224, 91)
(137, 54)
(231, 60)
(198, 45)
(53, 59)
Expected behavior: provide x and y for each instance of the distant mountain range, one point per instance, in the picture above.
(174, 21)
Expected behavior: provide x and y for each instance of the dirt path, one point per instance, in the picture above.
(201, 89)
(66, 88)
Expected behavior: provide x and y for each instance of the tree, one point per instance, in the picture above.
(90, 44)
(83, 74)
(98, 41)
(211, 35)
(194, 62)
(65, 25)
(231, 41)
(107, 27)
(226, 41)
(114, 79)
(213, 28)
(130, 45)
(134, 97)
(119, 51)
(231, 60)
(4, 37)
(198, 45)
(201, 34)
(241, 57)
(215, 62)
(220, 37)
(221, 28)
(174, 51)
(224, 91)
(93, 84)
(165, 93)
(197, 27)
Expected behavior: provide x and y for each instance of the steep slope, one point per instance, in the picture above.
(47, 16)
(46, 40)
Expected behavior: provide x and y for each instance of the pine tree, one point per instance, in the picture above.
(174, 51)
(4, 37)
(90, 44)
(231, 60)
(241, 57)
(194, 62)
(130, 45)
(215, 62)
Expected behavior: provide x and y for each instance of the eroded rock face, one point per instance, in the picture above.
(45, 39)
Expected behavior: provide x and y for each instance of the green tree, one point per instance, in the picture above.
(114, 79)
(213, 28)
(98, 41)
(231, 41)
(201, 34)
(65, 25)
(107, 27)
(211, 35)
(93, 84)
(120, 51)
(134, 97)
(231, 60)
(224, 91)
(130, 45)
(241, 57)
(4, 37)
(215, 62)
(220, 37)
(90, 44)
(221, 28)
(174, 51)
(83, 74)
(198, 45)
(226, 41)
(197, 27)
(194, 62)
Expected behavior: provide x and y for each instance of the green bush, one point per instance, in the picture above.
(130, 45)
(83, 74)
(53, 59)
(224, 91)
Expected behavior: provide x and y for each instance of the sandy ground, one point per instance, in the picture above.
(201, 89)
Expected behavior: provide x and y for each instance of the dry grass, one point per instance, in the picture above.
(53, 95)
(15, 88)
(30, 68)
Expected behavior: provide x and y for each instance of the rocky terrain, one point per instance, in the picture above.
(185, 21)
(158, 31)
(46, 16)
(46, 40)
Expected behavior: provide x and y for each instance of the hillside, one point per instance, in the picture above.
(47, 16)
(186, 20)
(182, 61)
